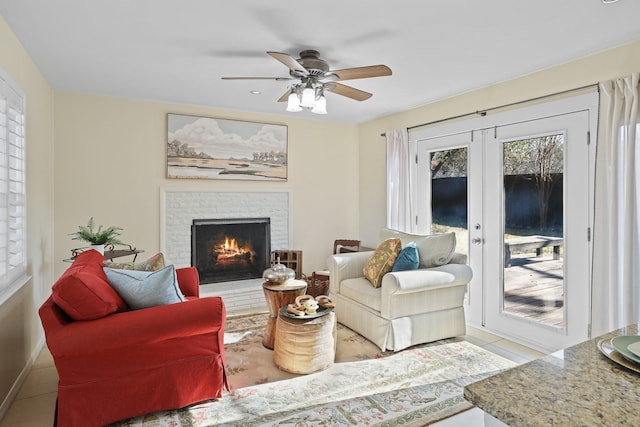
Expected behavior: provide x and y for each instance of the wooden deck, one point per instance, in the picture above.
(534, 288)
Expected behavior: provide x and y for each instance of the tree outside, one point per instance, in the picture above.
(541, 158)
(449, 163)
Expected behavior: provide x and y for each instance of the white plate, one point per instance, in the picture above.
(634, 348)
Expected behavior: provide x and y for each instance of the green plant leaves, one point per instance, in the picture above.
(106, 236)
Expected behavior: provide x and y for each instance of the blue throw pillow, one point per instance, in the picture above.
(143, 289)
(408, 258)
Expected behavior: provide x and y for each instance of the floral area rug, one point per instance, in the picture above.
(248, 362)
(413, 387)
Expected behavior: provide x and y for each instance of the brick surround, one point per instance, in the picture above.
(180, 207)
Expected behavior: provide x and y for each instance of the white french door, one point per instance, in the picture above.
(522, 216)
(537, 297)
(449, 176)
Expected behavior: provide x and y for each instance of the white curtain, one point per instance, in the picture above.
(398, 180)
(616, 238)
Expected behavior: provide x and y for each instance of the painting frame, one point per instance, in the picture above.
(200, 147)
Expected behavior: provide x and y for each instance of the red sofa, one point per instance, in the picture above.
(114, 363)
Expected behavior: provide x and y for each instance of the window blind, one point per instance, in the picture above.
(12, 182)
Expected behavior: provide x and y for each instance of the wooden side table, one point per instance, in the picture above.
(278, 296)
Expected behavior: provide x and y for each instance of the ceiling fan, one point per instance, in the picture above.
(314, 77)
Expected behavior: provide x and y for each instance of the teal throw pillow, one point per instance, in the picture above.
(143, 289)
(408, 258)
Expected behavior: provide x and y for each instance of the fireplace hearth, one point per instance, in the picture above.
(226, 249)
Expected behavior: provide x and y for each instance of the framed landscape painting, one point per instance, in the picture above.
(208, 148)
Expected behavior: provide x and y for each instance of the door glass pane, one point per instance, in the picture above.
(449, 195)
(533, 280)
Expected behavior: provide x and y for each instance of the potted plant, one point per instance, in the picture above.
(98, 238)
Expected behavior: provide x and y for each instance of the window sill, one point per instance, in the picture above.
(13, 288)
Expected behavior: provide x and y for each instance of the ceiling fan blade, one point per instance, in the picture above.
(285, 97)
(291, 63)
(348, 91)
(362, 72)
(278, 79)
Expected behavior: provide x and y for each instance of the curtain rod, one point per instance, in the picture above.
(484, 112)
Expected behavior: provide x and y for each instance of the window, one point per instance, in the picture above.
(12, 186)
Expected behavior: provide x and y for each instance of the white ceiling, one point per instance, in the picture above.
(178, 50)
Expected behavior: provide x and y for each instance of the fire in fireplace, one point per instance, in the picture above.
(230, 249)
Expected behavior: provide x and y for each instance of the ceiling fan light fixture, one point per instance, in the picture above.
(314, 75)
(321, 105)
(293, 102)
(308, 99)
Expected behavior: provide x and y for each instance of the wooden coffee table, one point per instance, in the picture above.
(278, 296)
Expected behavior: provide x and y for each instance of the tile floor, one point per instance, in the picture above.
(35, 403)
(508, 349)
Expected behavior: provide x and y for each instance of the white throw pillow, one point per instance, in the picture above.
(143, 289)
(433, 249)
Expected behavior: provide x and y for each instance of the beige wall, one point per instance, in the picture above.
(604, 66)
(20, 331)
(111, 163)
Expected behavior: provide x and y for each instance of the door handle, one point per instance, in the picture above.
(476, 241)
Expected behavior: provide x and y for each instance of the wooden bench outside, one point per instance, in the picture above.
(531, 242)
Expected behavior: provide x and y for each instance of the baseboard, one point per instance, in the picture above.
(19, 382)
(518, 340)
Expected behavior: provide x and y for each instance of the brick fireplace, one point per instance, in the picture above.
(178, 210)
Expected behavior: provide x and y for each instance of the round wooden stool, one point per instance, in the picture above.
(303, 346)
(278, 296)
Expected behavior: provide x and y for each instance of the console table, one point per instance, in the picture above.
(109, 253)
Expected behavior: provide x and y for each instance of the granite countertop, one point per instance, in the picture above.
(578, 386)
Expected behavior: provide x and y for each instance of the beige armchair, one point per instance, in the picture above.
(410, 307)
